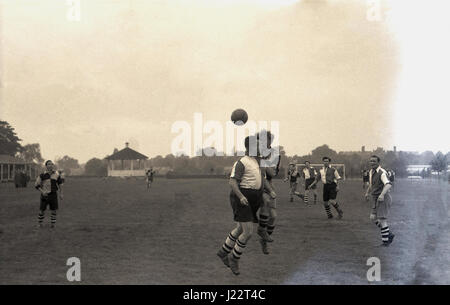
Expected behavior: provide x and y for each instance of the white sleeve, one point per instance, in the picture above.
(385, 179)
(336, 174)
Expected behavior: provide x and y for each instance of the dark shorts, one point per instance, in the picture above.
(246, 213)
(329, 191)
(308, 182)
(50, 200)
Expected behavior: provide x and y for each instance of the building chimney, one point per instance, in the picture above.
(126, 144)
(363, 149)
(395, 149)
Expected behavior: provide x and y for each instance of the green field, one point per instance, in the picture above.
(124, 234)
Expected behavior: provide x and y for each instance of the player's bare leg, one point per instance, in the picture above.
(270, 229)
(264, 213)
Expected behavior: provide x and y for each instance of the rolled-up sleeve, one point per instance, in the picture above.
(385, 179)
(336, 174)
(38, 182)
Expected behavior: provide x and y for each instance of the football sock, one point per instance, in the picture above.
(238, 249)
(53, 218)
(263, 219)
(328, 210)
(41, 217)
(385, 234)
(229, 243)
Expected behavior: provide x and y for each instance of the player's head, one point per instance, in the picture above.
(326, 161)
(49, 165)
(307, 163)
(251, 146)
(291, 165)
(374, 161)
(265, 138)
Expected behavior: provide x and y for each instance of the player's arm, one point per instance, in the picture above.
(60, 183)
(318, 177)
(387, 186)
(38, 185)
(287, 176)
(235, 188)
(269, 188)
(337, 177)
(369, 189)
(236, 175)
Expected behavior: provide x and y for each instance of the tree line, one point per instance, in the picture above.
(354, 162)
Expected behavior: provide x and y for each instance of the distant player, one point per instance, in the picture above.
(378, 192)
(391, 177)
(49, 184)
(247, 184)
(329, 177)
(149, 177)
(292, 176)
(365, 177)
(309, 174)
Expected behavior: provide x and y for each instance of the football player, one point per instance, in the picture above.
(49, 184)
(378, 193)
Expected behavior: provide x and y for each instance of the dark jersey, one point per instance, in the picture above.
(293, 175)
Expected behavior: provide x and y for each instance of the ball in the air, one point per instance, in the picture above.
(239, 117)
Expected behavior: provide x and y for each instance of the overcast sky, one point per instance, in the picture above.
(129, 69)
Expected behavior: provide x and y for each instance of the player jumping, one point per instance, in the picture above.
(267, 212)
(247, 184)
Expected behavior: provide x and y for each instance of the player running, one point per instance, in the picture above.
(329, 177)
(247, 183)
(49, 183)
(379, 193)
(292, 176)
(309, 174)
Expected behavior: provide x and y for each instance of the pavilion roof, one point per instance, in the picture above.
(127, 154)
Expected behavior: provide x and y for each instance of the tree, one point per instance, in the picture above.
(31, 153)
(9, 141)
(96, 167)
(67, 164)
(323, 151)
(439, 163)
(426, 157)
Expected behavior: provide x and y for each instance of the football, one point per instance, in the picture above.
(239, 117)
